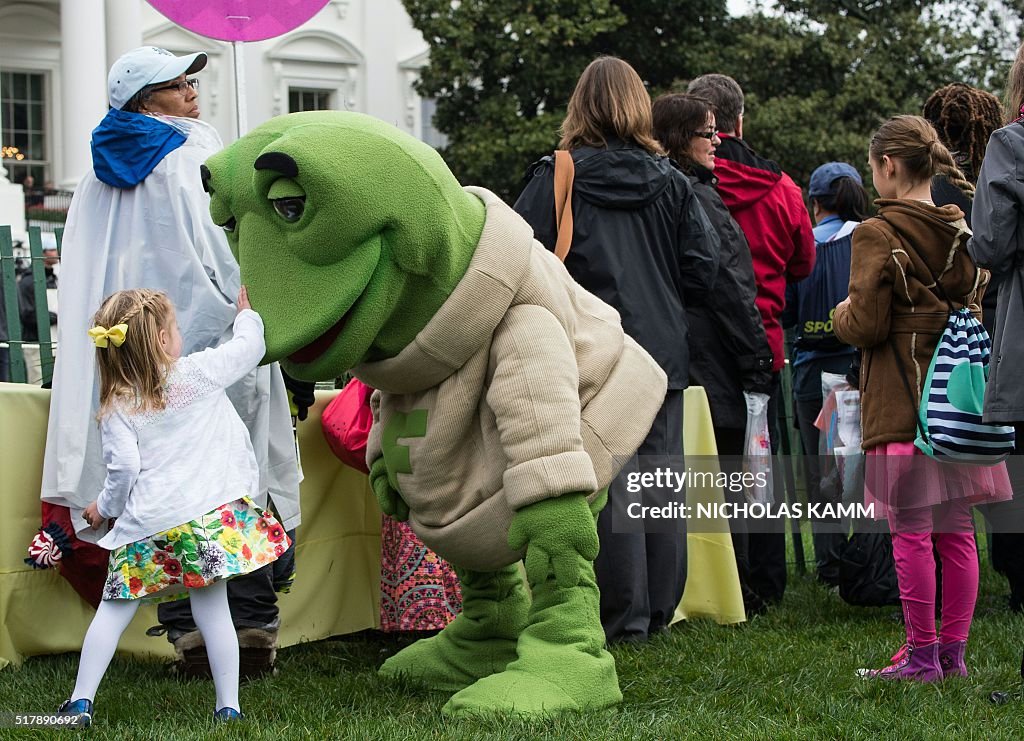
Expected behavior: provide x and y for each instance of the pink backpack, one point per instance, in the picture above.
(346, 423)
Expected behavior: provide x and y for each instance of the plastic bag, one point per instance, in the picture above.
(842, 460)
(757, 450)
(346, 424)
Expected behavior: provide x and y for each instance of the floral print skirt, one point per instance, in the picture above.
(235, 538)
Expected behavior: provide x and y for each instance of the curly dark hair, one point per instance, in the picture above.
(964, 118)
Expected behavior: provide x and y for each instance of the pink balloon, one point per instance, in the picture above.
(239, 20)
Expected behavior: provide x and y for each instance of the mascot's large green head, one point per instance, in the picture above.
(349, 234)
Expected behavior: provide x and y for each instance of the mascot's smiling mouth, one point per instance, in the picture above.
(319, 346)
(323, 343)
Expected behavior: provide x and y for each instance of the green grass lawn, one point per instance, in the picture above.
(787, 674)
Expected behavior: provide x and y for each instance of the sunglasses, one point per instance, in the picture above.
(179, 86)
(709, 135)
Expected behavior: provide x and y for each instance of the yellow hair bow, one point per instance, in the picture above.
(101, 335)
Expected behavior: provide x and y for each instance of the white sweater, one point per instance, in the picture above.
(168, 467)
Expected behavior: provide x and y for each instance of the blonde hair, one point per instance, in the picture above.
(914, 141)
(134, 373)
(609, 100)
(1014, 99)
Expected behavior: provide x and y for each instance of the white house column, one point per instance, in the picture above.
(83, 67)
(124, 28)
(379, 50)
(12, 199)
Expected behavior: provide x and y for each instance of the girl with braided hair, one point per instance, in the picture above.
(905, 264)
(181, 472)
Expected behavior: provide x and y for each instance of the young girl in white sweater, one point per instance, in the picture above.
(180, 474)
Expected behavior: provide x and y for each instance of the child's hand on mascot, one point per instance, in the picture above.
(559, 534)
(390, 501)
(243, 299)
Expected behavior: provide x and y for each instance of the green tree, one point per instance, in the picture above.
(821, 76)
(502, 71)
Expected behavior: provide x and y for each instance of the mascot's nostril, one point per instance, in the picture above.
(205, 174)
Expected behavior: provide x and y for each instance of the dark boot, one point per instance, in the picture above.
(257, 652)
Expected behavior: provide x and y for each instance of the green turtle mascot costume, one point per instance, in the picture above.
(508, 397)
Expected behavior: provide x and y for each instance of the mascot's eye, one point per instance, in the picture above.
(290, 209)
(229, 225)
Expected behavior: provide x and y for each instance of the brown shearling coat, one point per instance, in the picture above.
(894, 308)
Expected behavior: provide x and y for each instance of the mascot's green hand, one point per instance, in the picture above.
(557, 532)
(390, 501)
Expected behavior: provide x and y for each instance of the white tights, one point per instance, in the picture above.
(213, 618)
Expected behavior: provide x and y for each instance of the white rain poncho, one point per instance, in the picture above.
(157, 234)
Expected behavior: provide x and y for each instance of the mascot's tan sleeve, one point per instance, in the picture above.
(534, 394)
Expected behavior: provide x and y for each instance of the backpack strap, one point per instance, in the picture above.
(939, 289)
(565, 171)
(935, 281)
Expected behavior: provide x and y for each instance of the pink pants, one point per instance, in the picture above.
(950, 527)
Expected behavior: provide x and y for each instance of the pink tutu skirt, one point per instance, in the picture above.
(898, 477)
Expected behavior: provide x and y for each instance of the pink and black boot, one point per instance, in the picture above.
(919, 664)
(951, 659)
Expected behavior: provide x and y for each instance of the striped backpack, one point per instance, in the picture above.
(949, 420)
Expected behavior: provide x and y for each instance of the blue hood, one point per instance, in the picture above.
(126, 147)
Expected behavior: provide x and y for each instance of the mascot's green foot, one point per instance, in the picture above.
(562, 662)
(477, 643)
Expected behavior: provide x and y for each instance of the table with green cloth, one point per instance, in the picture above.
(337, 585)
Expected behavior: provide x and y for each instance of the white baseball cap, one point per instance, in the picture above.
(147, 65)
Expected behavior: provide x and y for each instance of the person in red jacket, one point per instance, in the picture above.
(769, 208)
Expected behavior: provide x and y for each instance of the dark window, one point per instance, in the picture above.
(308, 99)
